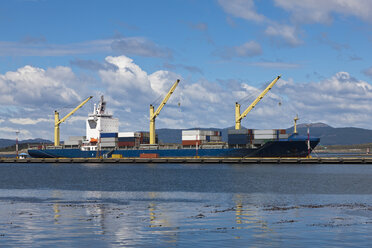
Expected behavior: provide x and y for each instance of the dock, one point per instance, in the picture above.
(194, 160)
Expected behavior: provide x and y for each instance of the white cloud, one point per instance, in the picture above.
(287, 34)
(10, 133)
(128, 45)
(311, 11)
(35, 86)
(368, 72)
(270, 64)
(340, 100)
(248, 49)
(28, 121)
(242, 8)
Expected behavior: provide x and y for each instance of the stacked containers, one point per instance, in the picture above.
(239, 136)
(282, 134)
(265, 134)
(145, 138)
(128, 139)
(108, 140)
(198, 137)
(134, 139)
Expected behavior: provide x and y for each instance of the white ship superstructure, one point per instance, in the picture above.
(99, 122)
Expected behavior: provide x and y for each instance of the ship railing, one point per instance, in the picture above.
(38, 146)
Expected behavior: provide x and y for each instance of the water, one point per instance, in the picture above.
(183, 205)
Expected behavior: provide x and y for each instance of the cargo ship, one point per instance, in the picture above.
(103, 139)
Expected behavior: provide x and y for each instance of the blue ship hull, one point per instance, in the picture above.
(295, 146)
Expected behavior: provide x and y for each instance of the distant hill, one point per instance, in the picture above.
(336, 136)
(328, 135)
(10, 142)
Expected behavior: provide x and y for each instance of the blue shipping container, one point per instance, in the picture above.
(238, 139)
(126, 139)
(109, 135)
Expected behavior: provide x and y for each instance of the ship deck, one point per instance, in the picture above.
(209, 160)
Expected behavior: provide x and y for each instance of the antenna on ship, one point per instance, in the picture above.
(295, 124)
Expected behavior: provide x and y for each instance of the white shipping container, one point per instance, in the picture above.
(190, 132)
(264, 131)
(108, 144)
(194, 137)
(209, 133)
(283, 136)
(215, 138)
(265, 136)
(73, 142)
(128, 134)
(105, 140)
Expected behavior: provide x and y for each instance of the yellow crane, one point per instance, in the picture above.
(58, 121)
(153, 114)
(239, 117)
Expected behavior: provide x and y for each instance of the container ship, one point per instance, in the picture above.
(103, 139)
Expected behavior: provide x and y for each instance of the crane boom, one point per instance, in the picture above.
(58, 121)
(153, 114)
(239, 117)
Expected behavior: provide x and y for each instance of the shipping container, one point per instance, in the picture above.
(72, 142)
(191, 142)
(145, 134)
(129, 134)
(282, 131)
(108, 140)
(265, 136)
(116, 156)
(264, 131)
(283, 136)
(149, 155)
(194, 137)
(108, 144)
(215, 138)
(238, 139)
(237, 131)
(127, 139)
(109, 135)
(191, 132)
(126, 143)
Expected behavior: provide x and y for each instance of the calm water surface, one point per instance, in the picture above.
(175, 205)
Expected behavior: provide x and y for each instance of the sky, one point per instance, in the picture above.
(54, 54)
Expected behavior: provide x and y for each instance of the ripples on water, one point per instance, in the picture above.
(168, 205)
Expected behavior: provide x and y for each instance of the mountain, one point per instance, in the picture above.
(10, 142)
(335, 136)
(328, 135)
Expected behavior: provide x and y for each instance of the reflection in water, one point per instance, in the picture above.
(162, 220)
(56, 194)
(171, 205)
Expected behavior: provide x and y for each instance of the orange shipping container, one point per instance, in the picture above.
(191, 142)
(149, 155)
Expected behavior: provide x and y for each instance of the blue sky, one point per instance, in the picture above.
(54, 54)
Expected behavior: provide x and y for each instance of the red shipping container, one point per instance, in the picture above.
(191, 142)
(126, 143)
(282, 131)
(149, 155)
